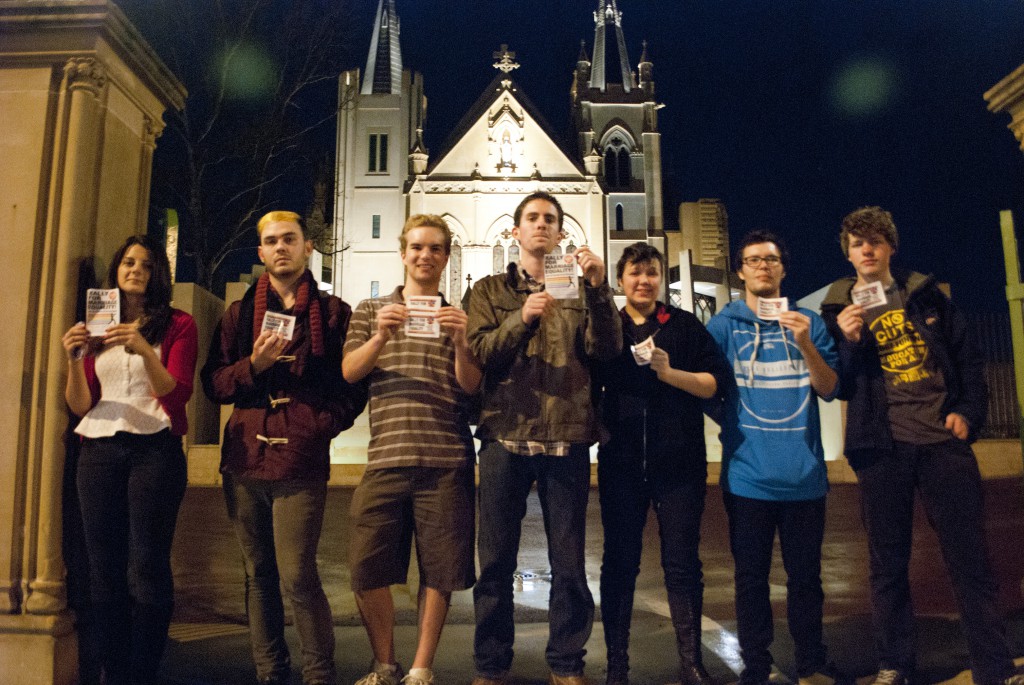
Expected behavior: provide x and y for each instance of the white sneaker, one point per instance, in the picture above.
(384, 676)
(418, 678)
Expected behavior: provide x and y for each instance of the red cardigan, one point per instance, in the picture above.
(178, 352)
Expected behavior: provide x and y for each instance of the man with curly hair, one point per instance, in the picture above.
(914, 379)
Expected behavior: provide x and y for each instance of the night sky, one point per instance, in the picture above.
(793, 112)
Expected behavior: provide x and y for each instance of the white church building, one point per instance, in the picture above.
(608, 180)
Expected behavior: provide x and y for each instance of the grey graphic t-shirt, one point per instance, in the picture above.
(913, 381)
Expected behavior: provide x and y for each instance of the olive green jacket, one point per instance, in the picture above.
(537, 378)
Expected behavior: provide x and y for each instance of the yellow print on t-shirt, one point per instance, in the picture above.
(900, 347)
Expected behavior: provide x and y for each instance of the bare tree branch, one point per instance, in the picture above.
(260, 75)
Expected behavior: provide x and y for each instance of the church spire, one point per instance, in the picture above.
(611, 65)
(384, 62)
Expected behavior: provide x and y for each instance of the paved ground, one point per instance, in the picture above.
(209, 642)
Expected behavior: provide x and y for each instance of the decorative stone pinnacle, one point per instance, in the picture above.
(506, 59)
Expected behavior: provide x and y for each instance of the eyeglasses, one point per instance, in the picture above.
(771, 261)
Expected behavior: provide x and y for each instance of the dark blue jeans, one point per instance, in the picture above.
(801, 527)
(563, 485)
(946, 475)
(625, 498)
(129, 489)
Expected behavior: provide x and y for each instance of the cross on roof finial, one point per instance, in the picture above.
(506, 60)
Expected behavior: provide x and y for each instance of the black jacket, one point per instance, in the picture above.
(944, 330)
(655, 427)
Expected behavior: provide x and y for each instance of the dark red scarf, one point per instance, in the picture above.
(305, 292)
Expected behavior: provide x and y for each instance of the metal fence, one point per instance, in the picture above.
(992, 331)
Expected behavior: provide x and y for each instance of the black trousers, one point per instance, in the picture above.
(129, 488)
(946, 475)
(801, 527)
(625, 497)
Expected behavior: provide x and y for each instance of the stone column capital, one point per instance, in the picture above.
(1017, 127)
(151, 130)
(1008, 96)
(85, 73)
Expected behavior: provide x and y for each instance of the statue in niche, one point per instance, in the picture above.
(506, 150)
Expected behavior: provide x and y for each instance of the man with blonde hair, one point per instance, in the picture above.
(419, 474)
(290, 401)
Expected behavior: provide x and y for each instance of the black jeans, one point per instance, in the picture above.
(946, 475)
(129, 488)
(563, 486)
(801, 526)
(625, 498)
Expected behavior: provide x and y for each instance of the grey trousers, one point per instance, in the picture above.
(278, 526)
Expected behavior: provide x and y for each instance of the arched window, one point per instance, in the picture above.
(611, 168)
(513, 252)
(618, 172)
(455, 274)
(625, 168)
(619, 222)
(498, 258)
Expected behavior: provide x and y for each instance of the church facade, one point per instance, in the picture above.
(608, 179)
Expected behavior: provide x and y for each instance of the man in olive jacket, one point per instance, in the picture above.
(537, 423)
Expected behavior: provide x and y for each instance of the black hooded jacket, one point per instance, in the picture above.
(654, 426)
(947, 334)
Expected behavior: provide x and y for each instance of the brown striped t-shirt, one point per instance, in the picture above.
(419, 416)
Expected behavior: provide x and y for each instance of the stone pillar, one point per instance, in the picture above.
(81, 102)
(652, 182)
(1008, 96)
(150, 132)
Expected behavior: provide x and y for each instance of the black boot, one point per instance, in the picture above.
(686, 613)
(112, 633)
(616, 615)
(149, 637)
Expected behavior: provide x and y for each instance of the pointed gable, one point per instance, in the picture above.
(504, 136)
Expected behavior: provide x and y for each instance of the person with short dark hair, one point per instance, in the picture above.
(130, 387)
(915, 381)
(419, 474)
(656, 458)
(773, 465)
(537, 424)
(290, 400)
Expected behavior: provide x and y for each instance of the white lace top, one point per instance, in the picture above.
(127, 400)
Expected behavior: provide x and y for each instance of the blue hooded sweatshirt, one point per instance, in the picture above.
(771, 434)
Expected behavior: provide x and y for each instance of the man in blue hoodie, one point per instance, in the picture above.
(773, 465)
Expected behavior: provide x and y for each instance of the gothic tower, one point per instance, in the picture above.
(380, 112)
(615, 117)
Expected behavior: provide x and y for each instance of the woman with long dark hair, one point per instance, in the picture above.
(130, 388)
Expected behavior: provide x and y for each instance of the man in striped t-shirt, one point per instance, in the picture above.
(419, 474)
